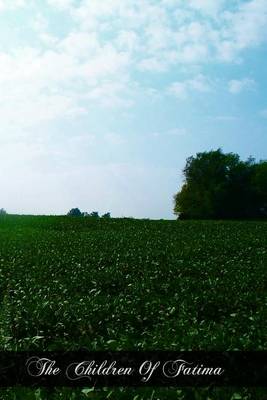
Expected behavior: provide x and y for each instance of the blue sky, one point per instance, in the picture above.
(101, 102)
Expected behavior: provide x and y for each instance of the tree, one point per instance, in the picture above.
(219, 185)
(259, 184)
(74, 212)
(94, 214)
(106, 215)
(3, 211)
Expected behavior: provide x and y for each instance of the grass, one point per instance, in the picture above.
(125, 284)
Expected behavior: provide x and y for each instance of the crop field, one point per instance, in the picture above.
(125, 284)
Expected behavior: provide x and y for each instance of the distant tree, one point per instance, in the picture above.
(94, 214)
(259, 184)
(74, 212)
(3, 211)
(106, 215)
(219, 185)
(85, 214)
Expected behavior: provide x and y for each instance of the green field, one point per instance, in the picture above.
(126, 284)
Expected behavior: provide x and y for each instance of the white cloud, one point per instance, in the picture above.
(80, 44)
(210, 7)
(39, 86)
(11, 4)
(111, 94)
(237, 86)
(61, 4)
(184, 88)
(249, 23)
(107, 45)
(174, 30)
(153, 64)
(179, 90)
(128, 40)
(242, 29)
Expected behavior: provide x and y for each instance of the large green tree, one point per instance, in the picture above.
(219, 185)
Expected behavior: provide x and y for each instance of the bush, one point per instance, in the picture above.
(75, 212)
(94, 214)
(106, 215)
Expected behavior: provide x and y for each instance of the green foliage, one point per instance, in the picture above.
(259, 183)
(94, 214)
(74, 212)
(106, 215)
(118, 283)
(219, 186)
(121, 284)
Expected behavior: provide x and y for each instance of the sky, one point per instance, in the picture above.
(101, 102)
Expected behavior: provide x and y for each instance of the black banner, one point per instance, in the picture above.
(133, 369)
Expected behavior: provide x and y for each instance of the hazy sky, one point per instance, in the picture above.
(102, 101)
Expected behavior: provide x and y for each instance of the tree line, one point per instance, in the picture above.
(221, 186)
(76, 212)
